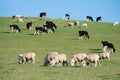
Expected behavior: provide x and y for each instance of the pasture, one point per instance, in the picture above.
(64, 40)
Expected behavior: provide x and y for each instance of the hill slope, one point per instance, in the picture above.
(64, 40)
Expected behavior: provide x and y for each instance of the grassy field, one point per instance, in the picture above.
(64, 40)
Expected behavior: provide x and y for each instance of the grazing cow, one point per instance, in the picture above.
(89, 18)
(84, 25)
(39, 30)
(43, 14)
(29, 25)
(116, 24)
(98, 19)
(108, 46)
(50, 26)
(14, 27)
(22, 58)
(67, 16)
(83, 34)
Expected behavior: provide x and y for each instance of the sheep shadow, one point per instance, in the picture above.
(96, 50)
(74, 39)
(30, 34)
(5, 32)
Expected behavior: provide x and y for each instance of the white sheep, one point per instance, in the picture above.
(105, 55)
(60, 59)
(70, 24)
(84, 25)
(93, 58)
(49, 57)
(20, 20)
(77, 58)
(116, 24)
(22, 58)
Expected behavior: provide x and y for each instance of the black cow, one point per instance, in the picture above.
(99, 19)
(39, 30)
(89, 18)
(109, 45)
(29, 25)
(50, 26)
(83, 34)
(14, 27)
(67, 16)
(43, 14)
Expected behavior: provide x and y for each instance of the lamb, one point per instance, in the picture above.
(105, 55)
(22, 58)
(70, 24)
(20, 20)
(50, 56)
(84, 25)
(59, 59)
(93, 58)
(116, 24)
(77, 58)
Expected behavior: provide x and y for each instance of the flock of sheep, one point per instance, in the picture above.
(55, 58)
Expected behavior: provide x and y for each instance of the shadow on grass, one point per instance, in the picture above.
(5, 32)
(111, 77)
(96, 50)
(30, 34)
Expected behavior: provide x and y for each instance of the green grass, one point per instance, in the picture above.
(64, 40)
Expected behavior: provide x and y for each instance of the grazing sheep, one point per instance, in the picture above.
(104, 55)
(17, 16)
(76, 23)
(84, 25)
(22, 58)
(116, 24)
(77, 58)
(20, 20)
(49, 57)
(59, 59)
(70, 24)
(93, 58)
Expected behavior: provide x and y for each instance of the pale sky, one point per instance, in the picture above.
(78, 9)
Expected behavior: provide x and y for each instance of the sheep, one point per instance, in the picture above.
(70, 24)
(116, 24)
(77, 58)
(76, 23)
(20, 20)
(104, 55)
(17, 16)
(84, 25)
(22, 58)
(93, 58)
(59, 59)
(49, 57)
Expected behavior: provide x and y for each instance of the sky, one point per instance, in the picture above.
(109, 10)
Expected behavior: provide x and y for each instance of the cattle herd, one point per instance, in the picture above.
(60, 59)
